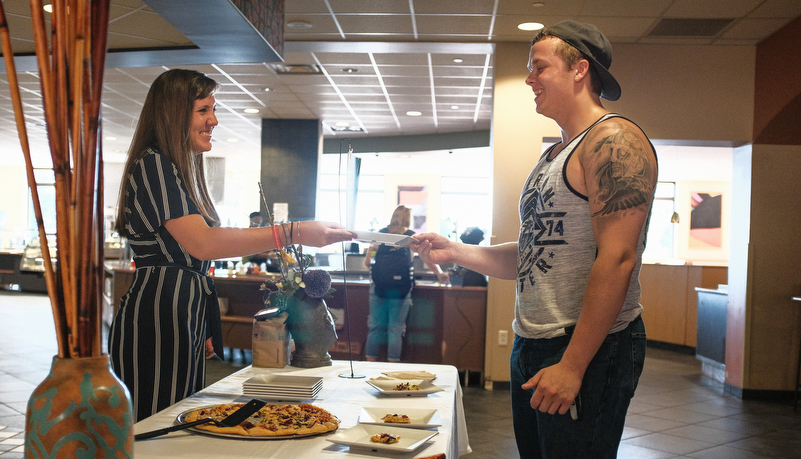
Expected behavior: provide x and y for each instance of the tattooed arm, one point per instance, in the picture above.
(616, 167)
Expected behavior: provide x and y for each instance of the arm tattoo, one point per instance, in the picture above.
(625, 178)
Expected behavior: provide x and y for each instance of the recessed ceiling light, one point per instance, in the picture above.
(343, 123)
(111, 138)
(538, 4)
(350, 70)
(528, 26)
(298, 25)
(232, 140)
(413, 113)
(268, 89)
(458, 60)
(48, 8)
(454, 107)
(251, 110)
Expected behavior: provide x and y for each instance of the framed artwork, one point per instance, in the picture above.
(704, 228)
(706, 231)
(415, 197)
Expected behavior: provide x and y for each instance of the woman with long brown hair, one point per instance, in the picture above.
(392, 274)
(169, 321)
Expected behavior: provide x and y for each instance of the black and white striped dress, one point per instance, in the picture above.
(157, 339)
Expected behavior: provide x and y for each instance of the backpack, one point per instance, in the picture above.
(392, 272)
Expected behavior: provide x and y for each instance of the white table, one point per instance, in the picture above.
(343, 397)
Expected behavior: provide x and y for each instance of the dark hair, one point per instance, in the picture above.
(164, 126)
(254, 214)
(571, 55)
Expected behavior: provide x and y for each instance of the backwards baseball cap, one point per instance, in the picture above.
(594, 45)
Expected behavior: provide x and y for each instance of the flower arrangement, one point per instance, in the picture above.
(297, 279)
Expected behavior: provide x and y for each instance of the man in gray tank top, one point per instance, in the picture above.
(579, 340)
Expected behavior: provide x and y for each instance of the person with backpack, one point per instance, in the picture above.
(392, 274)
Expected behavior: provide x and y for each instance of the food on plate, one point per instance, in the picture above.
(407, 386)
(269, 421)
(397, 418)
(385, 438)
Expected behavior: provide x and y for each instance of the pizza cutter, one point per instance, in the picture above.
(231, 420)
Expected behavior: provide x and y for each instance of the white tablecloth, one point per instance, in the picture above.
(343, 397)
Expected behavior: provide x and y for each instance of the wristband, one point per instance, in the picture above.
(287, 239)
(277, 239)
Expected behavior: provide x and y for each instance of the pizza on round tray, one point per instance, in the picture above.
(269, 421)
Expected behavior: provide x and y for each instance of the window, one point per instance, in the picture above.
(466, 202)
(46, 187)
(661, 237)
(370, 197)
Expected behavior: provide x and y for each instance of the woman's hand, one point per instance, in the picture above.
(209, 349)
(319, 234)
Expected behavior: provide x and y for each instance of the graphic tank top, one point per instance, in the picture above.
(556, 251)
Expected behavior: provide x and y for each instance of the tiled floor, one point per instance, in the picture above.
(676, 413)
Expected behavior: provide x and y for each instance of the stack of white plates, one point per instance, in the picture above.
(282, 387)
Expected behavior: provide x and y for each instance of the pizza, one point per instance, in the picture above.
(397, 418)
(385, 438)
(269, 421)
(407, 386)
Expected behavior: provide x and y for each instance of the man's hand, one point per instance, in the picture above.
(555, 388)
(433, 248)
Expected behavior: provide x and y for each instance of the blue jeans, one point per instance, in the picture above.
(387, 324)
(606, 390)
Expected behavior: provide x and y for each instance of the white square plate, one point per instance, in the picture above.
(387, 387)
(359, 435)
(421, 418)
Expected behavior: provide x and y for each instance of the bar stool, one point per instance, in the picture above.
(797, 372)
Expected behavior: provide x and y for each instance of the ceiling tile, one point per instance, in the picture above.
(752, 29)
(625, 8)
(448, 7)
(785, 9)
(369, 24)
(454, 26)
(711, 8)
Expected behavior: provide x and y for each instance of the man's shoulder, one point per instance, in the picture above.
(616, 124)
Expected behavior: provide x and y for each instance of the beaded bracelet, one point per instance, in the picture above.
(277, 239)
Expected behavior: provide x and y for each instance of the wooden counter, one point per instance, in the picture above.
(670, 302)
(446, 325)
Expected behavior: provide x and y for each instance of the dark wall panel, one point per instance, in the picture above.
(289, 152)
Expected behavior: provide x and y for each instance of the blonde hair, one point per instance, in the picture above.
(400, 221)
(164, 126)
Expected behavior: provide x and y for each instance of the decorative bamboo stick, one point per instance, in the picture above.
(50, 279)
(71, 74)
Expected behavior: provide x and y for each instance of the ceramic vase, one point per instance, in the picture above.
(313, 331)
(80, 410)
